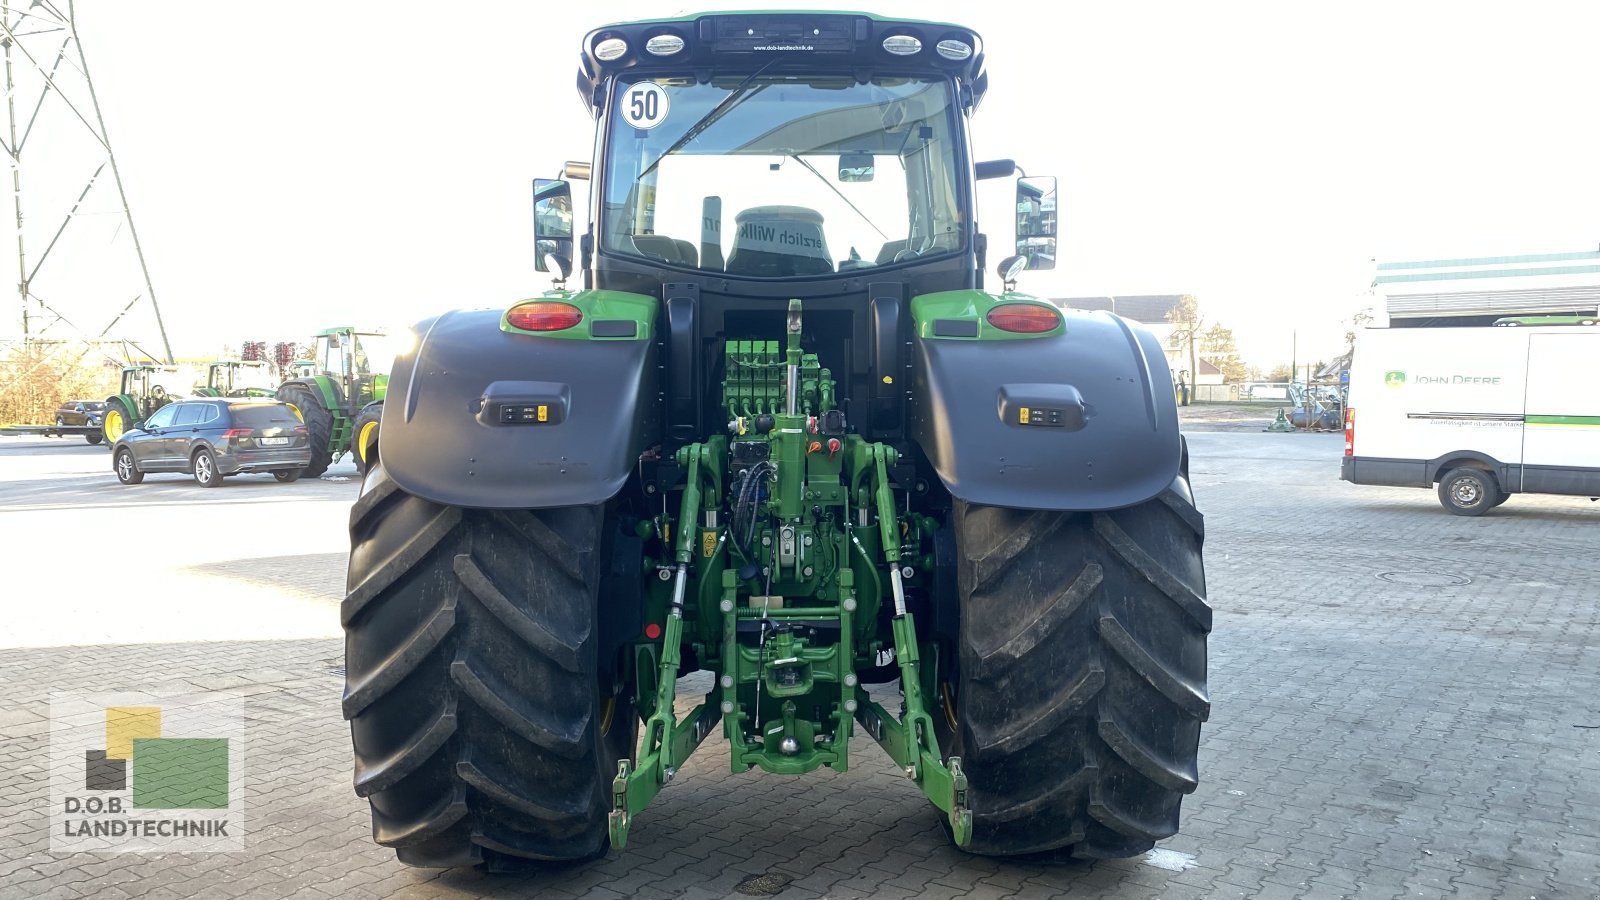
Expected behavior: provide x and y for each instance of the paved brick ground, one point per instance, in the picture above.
(1405, 704)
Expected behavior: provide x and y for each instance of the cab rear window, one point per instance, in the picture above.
(263, 415)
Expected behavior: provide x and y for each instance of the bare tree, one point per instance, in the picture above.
(1188, 323)
(1222, 350)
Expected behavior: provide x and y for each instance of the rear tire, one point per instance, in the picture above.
(286, 475)
(1469, 492)
(1080, 683)
(204, 465)
(309, 406)
(93, 437)
(480, 727)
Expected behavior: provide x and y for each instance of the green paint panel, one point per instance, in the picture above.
(596, 305)
(180, 773)
(1488, 261)
(330, 393)
(974, 306)
(1566, 421)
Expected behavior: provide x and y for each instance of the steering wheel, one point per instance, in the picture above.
(158, 392)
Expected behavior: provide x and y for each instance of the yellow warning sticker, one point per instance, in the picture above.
(544, 413)
(708, 543)
(1023, 414)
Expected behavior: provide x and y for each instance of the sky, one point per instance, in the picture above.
(292, 168)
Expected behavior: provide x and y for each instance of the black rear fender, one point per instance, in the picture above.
(1102, 422)
(479, 417)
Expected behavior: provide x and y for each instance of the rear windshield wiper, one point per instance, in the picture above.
(824, 179)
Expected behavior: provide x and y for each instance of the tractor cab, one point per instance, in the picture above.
(241, 378)
(357, 361)
(145, 388)
(153, 386)
(744, 160)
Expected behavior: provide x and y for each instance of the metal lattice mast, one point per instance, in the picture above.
(46, 40)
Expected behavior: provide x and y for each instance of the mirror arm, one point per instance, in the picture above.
(575, 170)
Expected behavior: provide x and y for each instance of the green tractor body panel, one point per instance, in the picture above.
(965, 315)
(781, 389)
(606, 316)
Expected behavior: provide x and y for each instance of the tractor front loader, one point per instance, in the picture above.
(781, 434)
(339, 396)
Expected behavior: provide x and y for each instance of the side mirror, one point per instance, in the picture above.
(552, 221)
(1036, 221)
(855, 167)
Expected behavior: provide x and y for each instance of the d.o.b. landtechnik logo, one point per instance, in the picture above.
(146, 773)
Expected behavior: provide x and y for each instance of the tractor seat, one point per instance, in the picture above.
(779, 242)
(672, 250)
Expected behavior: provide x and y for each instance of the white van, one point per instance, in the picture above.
(1481, 412)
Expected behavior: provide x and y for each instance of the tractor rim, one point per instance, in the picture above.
(296, 410)
(113, 424)
(361, 439)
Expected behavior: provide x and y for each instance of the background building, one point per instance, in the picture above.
(1477, 291)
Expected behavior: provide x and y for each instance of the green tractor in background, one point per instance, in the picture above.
(339, 393)
(240, 378)
(780, 433)
(146, 387)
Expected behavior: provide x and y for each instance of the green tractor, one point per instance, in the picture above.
(782, 434)
(239, 378)
(146, 387)
(339, 393)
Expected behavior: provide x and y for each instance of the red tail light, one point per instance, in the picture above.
(1349, 431)
(1024, 318)
(232, 433)
(544, 315)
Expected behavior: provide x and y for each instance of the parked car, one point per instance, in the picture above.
(81, 412)
(214, 437)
